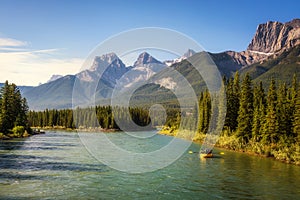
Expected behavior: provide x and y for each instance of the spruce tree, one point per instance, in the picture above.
(296, 117)
(245, 110)
(200, 114)
(271, 126)
(13, 108)
(259, 111)
(231, 119)
(235, 106)
(5, 118)
(204, 112)
(284, 123)
(291, 101)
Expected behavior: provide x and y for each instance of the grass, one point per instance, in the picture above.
(284, 153)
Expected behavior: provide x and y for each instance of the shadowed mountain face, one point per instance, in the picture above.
(273, 52)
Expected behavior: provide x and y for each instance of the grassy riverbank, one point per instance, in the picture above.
(285, 153)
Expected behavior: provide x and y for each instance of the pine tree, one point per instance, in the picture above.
(231, 119)
(22, 119)
(259, 111)
(293, 90)
(13, 108)
(296, 117)
(204, 112)
(5, 123)
(291, 101)
(271, 127)
(284, 122)
(236, 101)
(245, 111)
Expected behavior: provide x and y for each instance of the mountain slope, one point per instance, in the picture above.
(58, 93)
(23, 89)
(281, 67)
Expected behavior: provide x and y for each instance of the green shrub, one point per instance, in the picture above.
(18, 131)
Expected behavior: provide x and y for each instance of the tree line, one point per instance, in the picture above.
(92, 117)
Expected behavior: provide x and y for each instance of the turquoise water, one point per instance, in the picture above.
(57, 166)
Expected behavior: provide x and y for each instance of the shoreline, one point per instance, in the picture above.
(185, 134)
(198, 139)
(24, 135)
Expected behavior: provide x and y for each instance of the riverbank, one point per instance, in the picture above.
(23, 134)
(288, 154)
(85, 129)
(90, 129)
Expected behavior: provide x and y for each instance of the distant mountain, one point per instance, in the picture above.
(97, 82)
(165, 83)
(58, 93)
(23, 89)
(115, 68)
(273, 52)
(55, 94)
(143, 68)
(186, 55)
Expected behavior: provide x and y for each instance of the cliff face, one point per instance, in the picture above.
(246, 58)
(272, 37)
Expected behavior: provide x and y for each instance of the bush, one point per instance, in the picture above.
(18, 131)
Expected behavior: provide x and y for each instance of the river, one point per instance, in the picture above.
(56, 165)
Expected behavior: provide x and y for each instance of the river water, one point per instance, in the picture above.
(56, 165)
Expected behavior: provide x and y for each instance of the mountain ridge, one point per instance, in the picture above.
(95, 79)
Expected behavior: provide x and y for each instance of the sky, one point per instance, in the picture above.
(42, 38)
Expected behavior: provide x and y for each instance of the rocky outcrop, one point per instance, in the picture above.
(246, 58)
(273, 37)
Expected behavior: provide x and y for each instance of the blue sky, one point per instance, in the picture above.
(61, 34)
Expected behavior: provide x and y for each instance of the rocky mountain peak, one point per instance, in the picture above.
(272, 37)
(189, 53)
(103, 60)
(112, 65)
(145, 58)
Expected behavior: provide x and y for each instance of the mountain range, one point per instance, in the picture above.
(274, 51)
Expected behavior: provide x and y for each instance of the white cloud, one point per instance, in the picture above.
(9, 42)
(31, 67)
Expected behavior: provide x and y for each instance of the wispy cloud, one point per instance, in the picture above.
(24, 66)
(10, 42)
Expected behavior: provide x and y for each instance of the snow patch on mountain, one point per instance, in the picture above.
(186, 55)
(167, 83)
